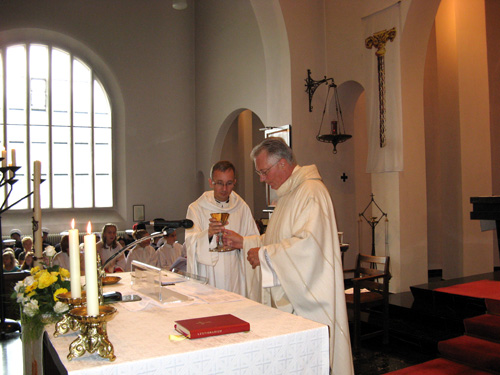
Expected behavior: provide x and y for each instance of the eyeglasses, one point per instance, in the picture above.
(222, 184)
(264, 172)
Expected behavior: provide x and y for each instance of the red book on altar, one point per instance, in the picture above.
(211, 326)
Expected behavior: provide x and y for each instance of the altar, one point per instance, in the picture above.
(144, 338)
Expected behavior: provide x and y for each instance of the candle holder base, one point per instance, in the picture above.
(93, 334)
(67, 322)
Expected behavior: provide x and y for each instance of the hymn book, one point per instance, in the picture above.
(211, 326)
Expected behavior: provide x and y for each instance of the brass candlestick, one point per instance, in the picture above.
(67, 322)
(93, 334)
(101, 273)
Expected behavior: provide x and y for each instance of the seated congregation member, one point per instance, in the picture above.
(142, 252)
(45, 235)
(29, 261)
(61, 259)
(108, 246)
(170, 251)
(158, 228)
(154, 241)
(225, 270)
(27, 244)
(16, 235)
(9, 261)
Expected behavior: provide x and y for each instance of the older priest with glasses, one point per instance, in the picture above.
(299, 255)
(227, 270)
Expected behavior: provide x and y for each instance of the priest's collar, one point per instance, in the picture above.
(220, 204)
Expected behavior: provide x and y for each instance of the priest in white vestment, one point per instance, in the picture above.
(299, 255)
(225, 270)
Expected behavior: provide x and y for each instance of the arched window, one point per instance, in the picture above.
(54, 109)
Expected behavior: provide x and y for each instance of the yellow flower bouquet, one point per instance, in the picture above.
(37, 298)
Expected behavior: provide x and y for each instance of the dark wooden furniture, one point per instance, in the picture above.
(10, 308)
(487, 208)
(371, 273)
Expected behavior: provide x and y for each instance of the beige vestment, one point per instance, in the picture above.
(225, 270)
(301, 246)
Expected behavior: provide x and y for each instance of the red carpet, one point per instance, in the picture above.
(478, 289)
(439, 366)
(477, 352)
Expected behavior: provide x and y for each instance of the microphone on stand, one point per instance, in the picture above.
(168, 224)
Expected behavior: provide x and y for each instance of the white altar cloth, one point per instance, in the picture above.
(278, 342)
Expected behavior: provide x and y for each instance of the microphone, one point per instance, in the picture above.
(186, 223)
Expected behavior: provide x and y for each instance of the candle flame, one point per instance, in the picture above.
(89, 228)
(73, 224)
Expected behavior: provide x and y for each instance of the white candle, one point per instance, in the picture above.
(74, 261)
(4, 158)
(37, 211)
(13, 154)
(91, 273)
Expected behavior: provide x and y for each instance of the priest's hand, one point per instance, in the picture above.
(214, 227)
(253, 257)
(232, 239)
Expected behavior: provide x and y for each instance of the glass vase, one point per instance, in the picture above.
(32, 340)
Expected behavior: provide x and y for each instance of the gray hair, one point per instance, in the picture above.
(275, 147)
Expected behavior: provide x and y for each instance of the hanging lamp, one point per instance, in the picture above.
(337, 131)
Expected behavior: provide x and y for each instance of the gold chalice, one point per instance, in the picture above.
(222, 217)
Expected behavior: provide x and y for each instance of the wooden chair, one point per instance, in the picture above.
(371, 273)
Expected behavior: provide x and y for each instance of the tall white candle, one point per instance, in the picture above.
(4, 158)
(74, 261)
(91, 273)
(37, 211)
(13, 154)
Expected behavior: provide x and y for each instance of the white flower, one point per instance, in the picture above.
(18, 287)
(31, 308)
(29, 280)
(60, 307)
(50, 251)
(21, 298)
